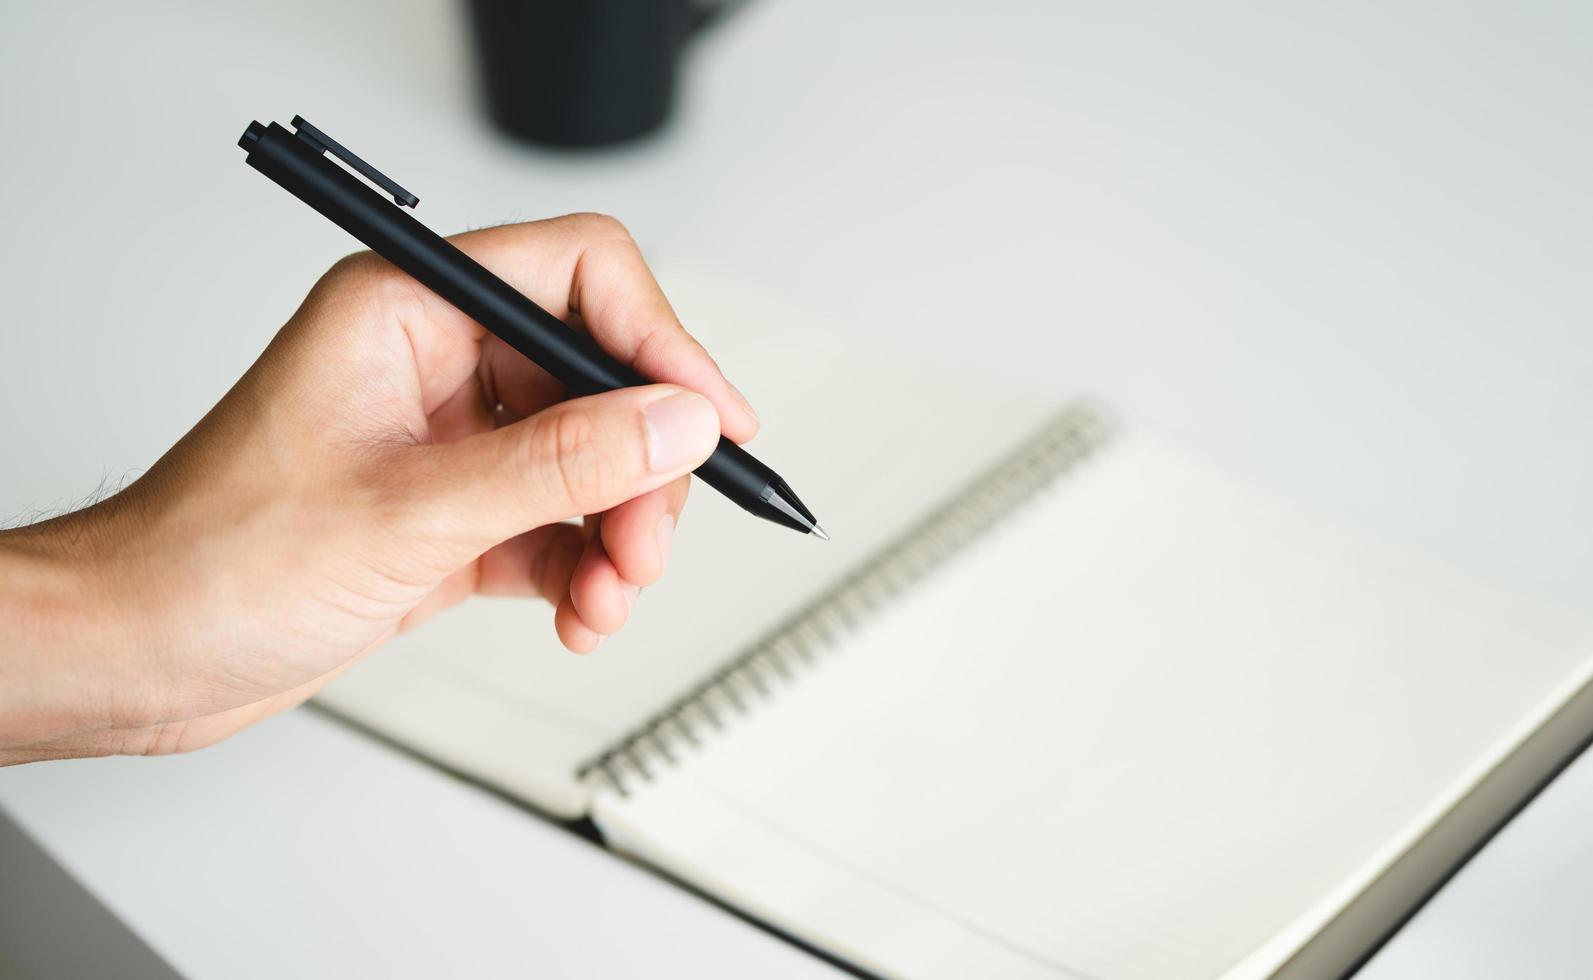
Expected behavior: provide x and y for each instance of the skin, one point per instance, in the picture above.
(384, 459)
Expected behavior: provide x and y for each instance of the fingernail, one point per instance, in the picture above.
(746, 406)
(630, 592)
(666, 537)
(676, 429)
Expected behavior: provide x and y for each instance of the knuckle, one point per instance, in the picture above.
(359, 267)
(568, 454)
(360, 283)
(596, 225)
(572, 433)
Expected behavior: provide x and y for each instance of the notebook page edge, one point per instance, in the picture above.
(1512, 769)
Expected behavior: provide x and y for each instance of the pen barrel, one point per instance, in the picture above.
(737, 474)
(568, 354)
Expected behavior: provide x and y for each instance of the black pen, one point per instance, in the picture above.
(296, 160)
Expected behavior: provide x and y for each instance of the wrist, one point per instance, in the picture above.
(65, 647)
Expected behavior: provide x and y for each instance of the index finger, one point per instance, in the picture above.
(586, 267)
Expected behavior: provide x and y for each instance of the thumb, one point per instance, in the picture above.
(578, 457)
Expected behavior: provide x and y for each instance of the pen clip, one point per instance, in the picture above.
(323, 143)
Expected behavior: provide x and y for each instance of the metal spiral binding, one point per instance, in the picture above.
(774, 658)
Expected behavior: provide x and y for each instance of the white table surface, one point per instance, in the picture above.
(1342, 251)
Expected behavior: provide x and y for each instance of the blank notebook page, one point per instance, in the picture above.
(1135, 732)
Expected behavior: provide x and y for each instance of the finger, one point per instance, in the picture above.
(578, 457)
(587, 265)
(597, 592)
(576, 636)
(552, 567)
(638, 533)
(522, 566)
(519, 566)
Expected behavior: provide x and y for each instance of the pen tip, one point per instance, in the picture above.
(820, 532)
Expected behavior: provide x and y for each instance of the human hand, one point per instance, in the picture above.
(382, 460)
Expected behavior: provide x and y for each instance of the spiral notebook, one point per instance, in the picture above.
(1100, 712)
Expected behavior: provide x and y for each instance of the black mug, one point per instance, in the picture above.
(582, 73)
